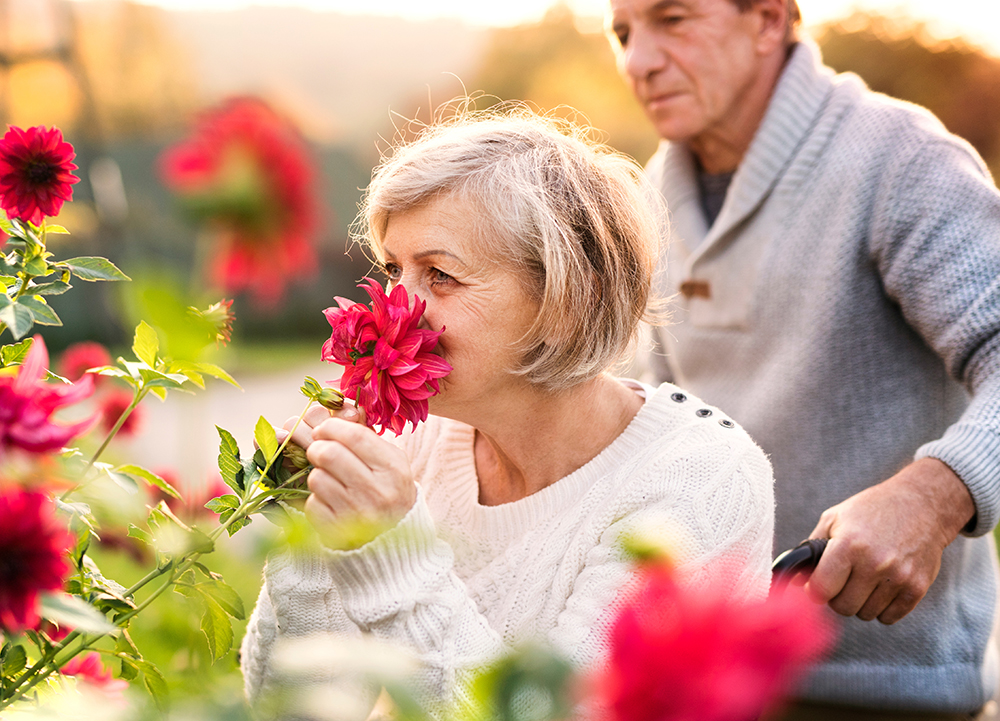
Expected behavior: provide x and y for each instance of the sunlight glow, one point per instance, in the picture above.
(976, 20)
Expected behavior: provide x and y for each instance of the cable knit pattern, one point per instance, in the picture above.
(459, 583)
(855, 307)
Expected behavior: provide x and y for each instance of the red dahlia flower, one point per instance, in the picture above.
(678, 655)
(88, 668)
(79, 357)
(389, 369)
(33, 545)
(112, 405)
(247, 172)
(35, 177)
(27, 404)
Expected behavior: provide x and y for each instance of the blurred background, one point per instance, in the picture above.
(125, 80)
(130, 82)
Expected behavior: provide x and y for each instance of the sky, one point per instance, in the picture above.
(977, 20)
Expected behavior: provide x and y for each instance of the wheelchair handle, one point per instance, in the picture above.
(801, 559)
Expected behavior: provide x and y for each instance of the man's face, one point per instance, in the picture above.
(690, 63)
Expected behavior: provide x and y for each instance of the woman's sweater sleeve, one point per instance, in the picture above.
(401, 587)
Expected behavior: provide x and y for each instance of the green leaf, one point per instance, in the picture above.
(155, 683)
(215, 371)
(266, 439)
(57, 229)
(43, 313)
(123, 481)
(125, 644)
(114, 372)
(75, 613)
(146, 344)
(16, 317)
(150, 478)
(135, 532)
(229, 461)
(37, 266)
(225, 595)
(56, 287)
(15, 660)
(91, 268)
(15, 353)
(129, 670)
(223, 503)
(217, 627)
(6, 226)
(155, 379)
(237, 525)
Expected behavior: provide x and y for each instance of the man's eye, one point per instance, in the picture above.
(622, 35)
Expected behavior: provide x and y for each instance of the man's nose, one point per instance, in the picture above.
(641, 56)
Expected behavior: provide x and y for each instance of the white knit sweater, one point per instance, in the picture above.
(458, 583)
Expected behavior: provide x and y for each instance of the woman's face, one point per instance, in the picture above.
(433, 252)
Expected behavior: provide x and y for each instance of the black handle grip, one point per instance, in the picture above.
(801, 559)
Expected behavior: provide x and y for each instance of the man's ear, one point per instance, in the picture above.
(773, 25)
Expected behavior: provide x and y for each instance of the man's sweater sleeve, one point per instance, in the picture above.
(938, 253)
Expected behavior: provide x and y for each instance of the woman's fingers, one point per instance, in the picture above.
(356, 471)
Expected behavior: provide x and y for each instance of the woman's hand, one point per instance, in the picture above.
(361, 484)
(316, 414)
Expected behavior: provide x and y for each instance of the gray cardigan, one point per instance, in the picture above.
(851, 325)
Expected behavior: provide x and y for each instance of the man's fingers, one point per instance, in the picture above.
(831, 573)
(904, 602)
(877, 602)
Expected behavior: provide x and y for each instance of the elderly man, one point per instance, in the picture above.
(836, 256)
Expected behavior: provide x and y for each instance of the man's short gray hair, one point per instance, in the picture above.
(576, 221)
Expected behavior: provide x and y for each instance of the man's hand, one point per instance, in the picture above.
(886, 542)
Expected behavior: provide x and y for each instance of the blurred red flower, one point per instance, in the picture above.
(33, 546)
(193, 498)
(247, 172)
(681, 655)
(112, 404)
(35, 177)
(77, 358)
(87, 667)
(389, 369)
(27, 404)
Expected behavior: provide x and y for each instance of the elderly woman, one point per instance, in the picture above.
(503, 514)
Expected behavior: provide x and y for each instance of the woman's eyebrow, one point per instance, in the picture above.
(426, 253)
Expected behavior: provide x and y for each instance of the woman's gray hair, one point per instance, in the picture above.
(574, 220)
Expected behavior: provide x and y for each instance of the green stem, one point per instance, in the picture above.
(247, 506)
(137, 398)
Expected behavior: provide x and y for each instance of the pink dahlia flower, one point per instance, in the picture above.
(678, 655)
(87, 667)
(27, 404)
(35, 177)
(389, 369)
(33, 546)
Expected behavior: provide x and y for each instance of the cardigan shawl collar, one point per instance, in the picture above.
(800, 94)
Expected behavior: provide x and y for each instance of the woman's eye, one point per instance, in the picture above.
(438, 276)
(391, 271)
